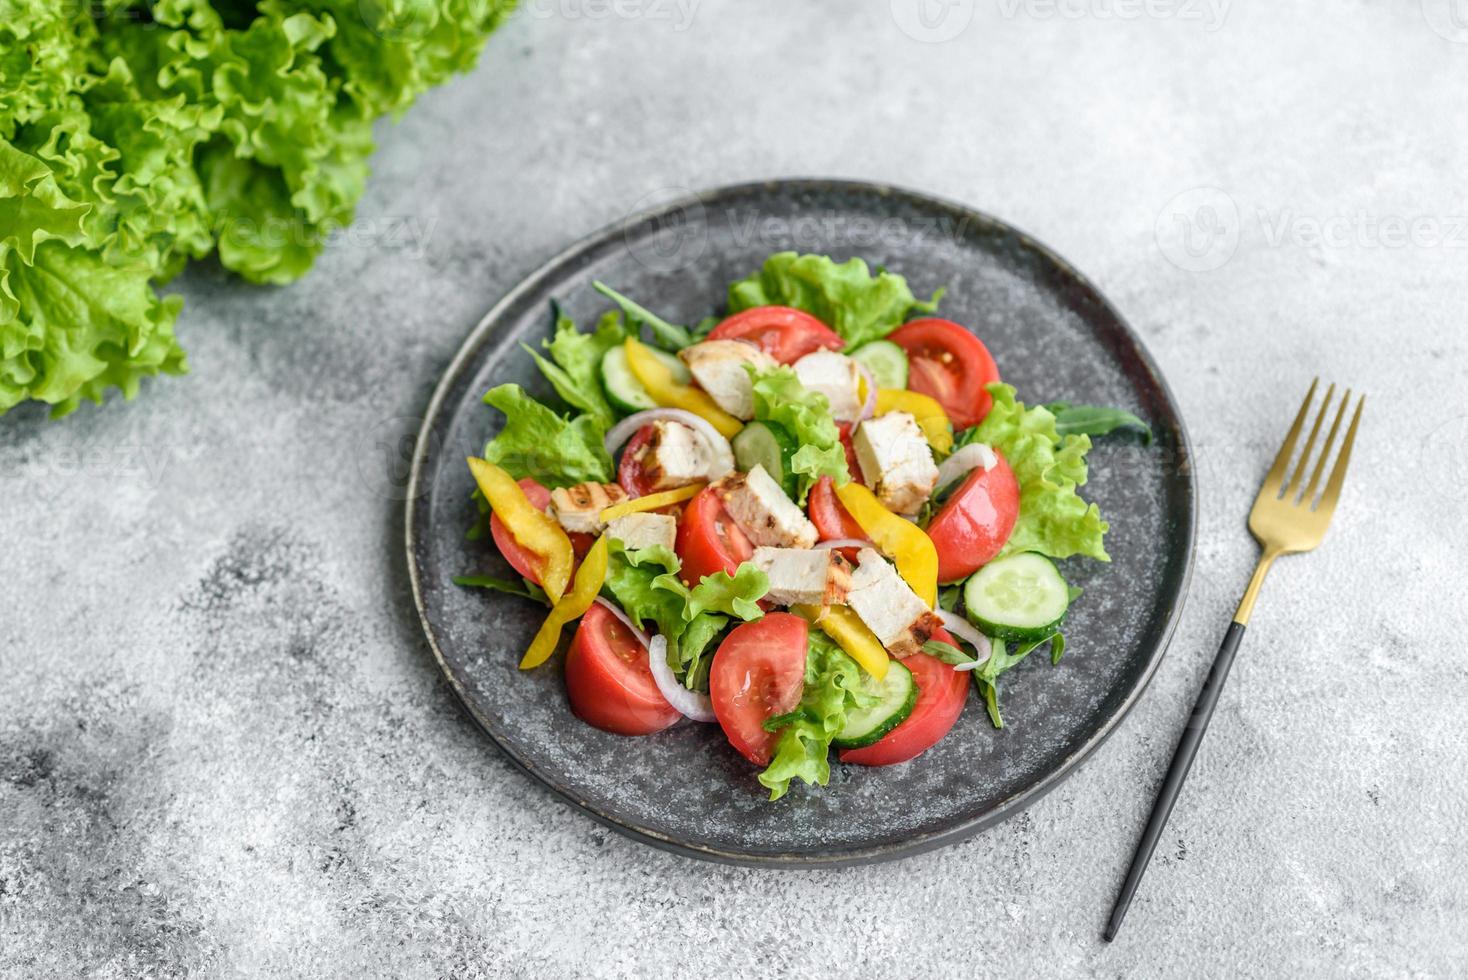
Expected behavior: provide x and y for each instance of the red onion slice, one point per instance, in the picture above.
(626, 620)
(843, 543)
(964, 630)
(721, 453)
(691, 704)
(869, 407)
(970, 457)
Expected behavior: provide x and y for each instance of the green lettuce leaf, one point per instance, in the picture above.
(538, 443)
(134, 137)
(669, 336)
(1053, 519)
(782, 401)
(1002, 659)
(846, 296)
(646, 585)
(833, 686)
(574, 369)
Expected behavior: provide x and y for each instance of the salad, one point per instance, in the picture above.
(816, 522)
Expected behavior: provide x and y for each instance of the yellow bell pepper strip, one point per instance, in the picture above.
(669, 392)
(531, 527)
(929, 414)
(653, 501)
(842, 624)
(905, 543)
(573, 605)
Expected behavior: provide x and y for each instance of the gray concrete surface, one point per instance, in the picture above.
(224, 748)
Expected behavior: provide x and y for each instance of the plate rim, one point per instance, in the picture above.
(416, 497)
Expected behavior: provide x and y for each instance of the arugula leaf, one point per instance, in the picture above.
(858, 305)
(1053, 519)
(833, 686)
(575, 372)
(538, 443)
(949, 596)
(524, 588)
(1092, 420)
(781, 400)
(986, 675)
(947, 652)
(669, 336)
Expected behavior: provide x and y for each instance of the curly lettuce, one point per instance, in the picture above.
(833, 686)
(551, 449)
(784, 404)
(1053, 519)
(135, 137)
(847, 296)
(645, 583)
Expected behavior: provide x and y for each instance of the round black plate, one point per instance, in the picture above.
(1054, 336)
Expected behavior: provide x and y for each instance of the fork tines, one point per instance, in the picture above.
(1277, 486)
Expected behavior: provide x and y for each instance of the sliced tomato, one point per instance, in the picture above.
(630, 472)
(941, 695)
(609, 681)
(758, 672)
(973, 524)
(852, 465)
(708, 539)
(527, 563)
(785, 333)
(831, 518)
(948, 363)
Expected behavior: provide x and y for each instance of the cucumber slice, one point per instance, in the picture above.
(623, 389)
(761, 444)
(1020, 597)
(898, 693)
(886, 361)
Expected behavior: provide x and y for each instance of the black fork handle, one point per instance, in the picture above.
(1177, 772)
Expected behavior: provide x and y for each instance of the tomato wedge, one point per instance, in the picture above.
(941, 695)
(973, 524)
(785, 333)
(708, 539)
(609, 681)
(527, 563)
(949, 364)
(853, 466)
(758, 673)
(630, 472)
(831, 519)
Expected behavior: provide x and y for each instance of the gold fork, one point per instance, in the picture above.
(1287, 518)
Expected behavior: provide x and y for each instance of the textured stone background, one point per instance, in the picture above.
(224, 747)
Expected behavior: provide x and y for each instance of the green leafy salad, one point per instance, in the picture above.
(136, 136)
(817, 521)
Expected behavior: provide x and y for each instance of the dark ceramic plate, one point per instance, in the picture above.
(1054, 336)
